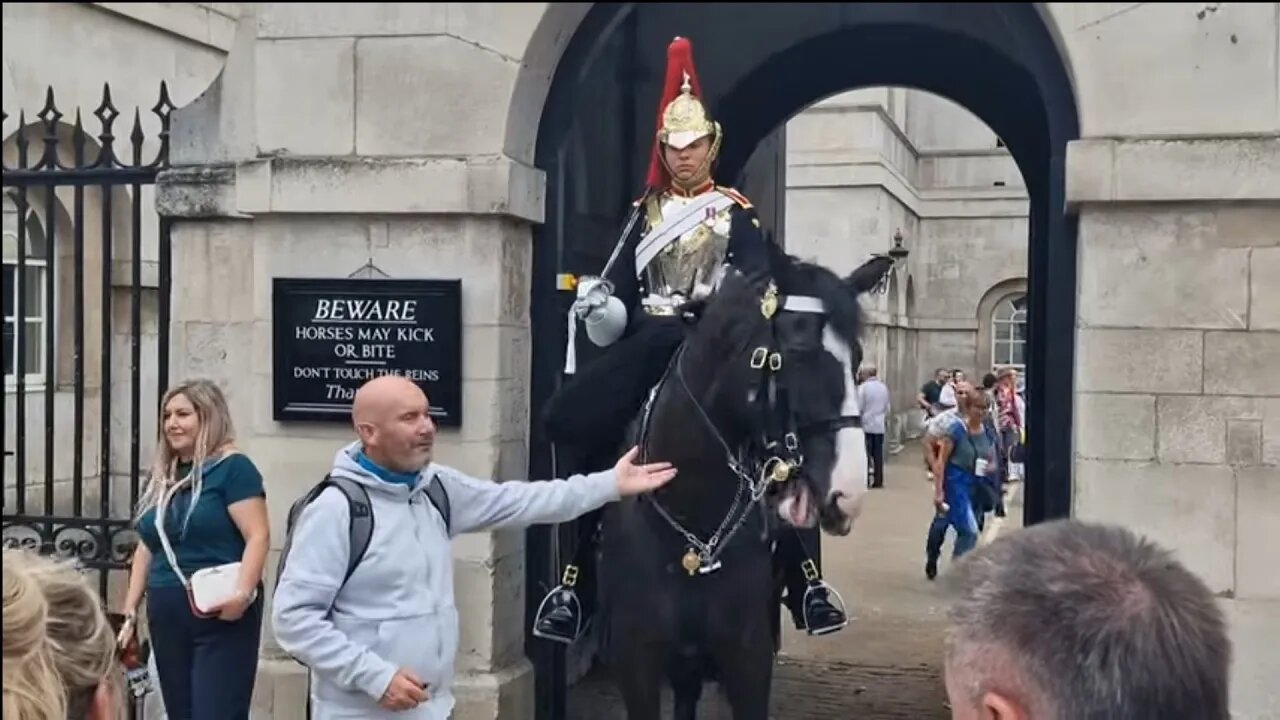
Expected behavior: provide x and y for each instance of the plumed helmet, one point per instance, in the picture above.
(682, 117)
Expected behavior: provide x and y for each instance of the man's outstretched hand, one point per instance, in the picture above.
(635, 479)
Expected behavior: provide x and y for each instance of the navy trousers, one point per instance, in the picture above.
(207, 666)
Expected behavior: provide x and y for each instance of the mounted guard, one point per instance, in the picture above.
(679, 240)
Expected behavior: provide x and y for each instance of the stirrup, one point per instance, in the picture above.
(838, 603)
(575, 606)
(569, 581)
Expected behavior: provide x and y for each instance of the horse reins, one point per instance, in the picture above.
(778, 427)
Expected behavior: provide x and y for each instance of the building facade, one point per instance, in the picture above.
(866, 165)
(318, 141)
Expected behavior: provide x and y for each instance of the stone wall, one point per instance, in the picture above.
(316, 152)
(76, 47)
(1176, 401)
(233, 347)
(1175, 430)
(1178, 408)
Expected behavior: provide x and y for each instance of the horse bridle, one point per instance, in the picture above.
(777, 457)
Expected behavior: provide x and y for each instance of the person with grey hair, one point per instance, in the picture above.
(1075, 621)
(873, 401)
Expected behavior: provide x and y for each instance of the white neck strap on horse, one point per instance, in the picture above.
(803, 303)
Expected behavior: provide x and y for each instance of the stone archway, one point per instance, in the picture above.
(593, 135)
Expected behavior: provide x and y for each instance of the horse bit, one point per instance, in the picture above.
(702, 557)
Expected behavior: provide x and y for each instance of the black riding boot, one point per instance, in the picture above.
(561, 616)
(809, 597)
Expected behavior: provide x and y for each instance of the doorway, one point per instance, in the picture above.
(758, 69)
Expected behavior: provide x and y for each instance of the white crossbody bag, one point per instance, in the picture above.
(208, 588)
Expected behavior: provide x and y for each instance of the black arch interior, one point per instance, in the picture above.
(996, 89)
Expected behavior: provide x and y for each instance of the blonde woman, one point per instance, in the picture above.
(214, 508)
(59, 651)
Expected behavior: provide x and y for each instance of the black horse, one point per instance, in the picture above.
(758, 411)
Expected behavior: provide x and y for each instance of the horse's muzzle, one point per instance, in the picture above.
(833, 517)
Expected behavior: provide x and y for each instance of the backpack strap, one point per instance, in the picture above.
(291, 521)
(359, 530)
(359, 525)
(440, 498)
(360, 519)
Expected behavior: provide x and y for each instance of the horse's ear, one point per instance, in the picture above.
(869, 274)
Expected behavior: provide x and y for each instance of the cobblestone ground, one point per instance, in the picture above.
(887, 663)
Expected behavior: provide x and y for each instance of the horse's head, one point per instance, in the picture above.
(786, 350)
(821, 355)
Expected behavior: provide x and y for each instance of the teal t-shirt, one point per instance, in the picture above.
(211, 537)
(966, 449)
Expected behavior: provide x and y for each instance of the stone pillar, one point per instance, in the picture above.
(338, 136)
(1177, 430)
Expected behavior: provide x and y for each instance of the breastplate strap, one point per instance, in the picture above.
(675, 226)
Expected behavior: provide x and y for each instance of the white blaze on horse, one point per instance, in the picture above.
(848, 479)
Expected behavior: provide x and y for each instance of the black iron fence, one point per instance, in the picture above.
(53, 503)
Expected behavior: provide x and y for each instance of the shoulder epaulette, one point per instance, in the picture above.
(652, 210)
(735, 196)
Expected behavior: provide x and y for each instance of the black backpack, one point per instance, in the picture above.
(360, 526)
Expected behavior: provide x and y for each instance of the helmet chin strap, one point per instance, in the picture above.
(701, 178)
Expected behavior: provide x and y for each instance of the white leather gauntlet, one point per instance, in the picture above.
(604, 316)
(606, 323)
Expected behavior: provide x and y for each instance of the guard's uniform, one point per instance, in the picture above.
(682, 238)
(728, 233)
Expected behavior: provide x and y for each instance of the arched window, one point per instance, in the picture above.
(32, 286)
(1009, 332)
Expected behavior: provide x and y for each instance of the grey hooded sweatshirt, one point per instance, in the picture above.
(397, 609)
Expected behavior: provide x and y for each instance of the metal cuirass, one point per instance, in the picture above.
(690, 267)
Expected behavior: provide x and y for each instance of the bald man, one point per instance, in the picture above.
(382, 643)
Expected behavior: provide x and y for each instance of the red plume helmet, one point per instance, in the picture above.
(682, 118)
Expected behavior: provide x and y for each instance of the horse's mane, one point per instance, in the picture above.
(797, 277)
(727, 317)
(729, 314)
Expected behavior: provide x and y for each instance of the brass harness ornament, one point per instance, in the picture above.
(691, 562)
(769, 303)
(570, 576)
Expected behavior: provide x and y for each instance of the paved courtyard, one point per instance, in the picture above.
(887, 664)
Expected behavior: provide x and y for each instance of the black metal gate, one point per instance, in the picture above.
(57, 500)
